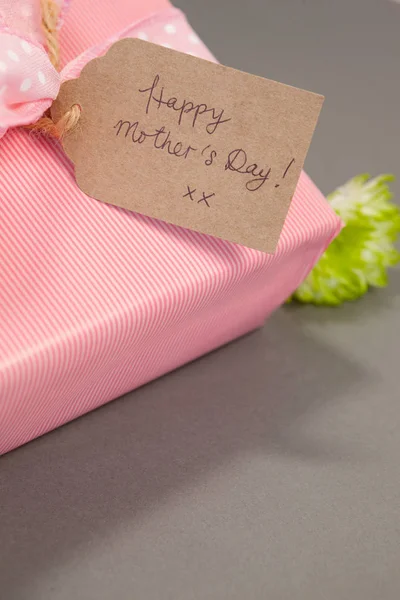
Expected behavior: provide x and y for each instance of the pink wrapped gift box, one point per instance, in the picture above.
(96, 301)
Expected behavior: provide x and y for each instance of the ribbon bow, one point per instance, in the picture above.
(29, 81)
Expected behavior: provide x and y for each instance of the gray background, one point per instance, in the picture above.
(268, 469)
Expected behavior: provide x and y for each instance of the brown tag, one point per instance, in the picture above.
(187, 141)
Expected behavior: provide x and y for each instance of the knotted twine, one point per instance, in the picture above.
(45, 125)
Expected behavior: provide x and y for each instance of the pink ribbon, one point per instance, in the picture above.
(28, 81)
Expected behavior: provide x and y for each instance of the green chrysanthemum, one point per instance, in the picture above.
(364, 249)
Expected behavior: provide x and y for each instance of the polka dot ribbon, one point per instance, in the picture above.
(28, 81)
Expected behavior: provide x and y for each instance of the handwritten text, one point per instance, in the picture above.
(184, 107)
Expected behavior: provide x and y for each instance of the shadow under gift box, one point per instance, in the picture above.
(95, 300)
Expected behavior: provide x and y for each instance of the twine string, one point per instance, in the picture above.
(46, 125)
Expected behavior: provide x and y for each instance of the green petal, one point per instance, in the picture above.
(358, 258)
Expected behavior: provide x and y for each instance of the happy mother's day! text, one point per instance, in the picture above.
(253, 172)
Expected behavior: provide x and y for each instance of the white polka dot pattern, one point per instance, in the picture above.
(13, 55)
(26, 85)
(169, 28)
(174, 33)
(193, 39)
(26, 47)
(30, 80)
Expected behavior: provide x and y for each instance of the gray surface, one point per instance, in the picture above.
(268, 469)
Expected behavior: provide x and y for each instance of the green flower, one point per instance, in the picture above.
(360, 255)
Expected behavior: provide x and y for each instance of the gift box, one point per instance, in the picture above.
(95, 300)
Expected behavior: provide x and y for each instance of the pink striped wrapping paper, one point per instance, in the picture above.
(96, 301)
